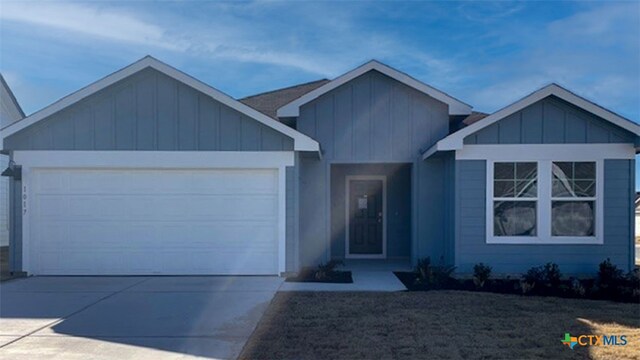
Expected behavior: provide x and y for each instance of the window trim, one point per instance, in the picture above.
(544, 199)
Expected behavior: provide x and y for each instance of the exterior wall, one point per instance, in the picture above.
(398, 209)
(149, 111)
(371, 119)
(292, 217)
(550, 121)
(4, 203)
(15, 225)
(471, 248)
(374, 118)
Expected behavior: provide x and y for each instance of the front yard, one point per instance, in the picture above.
(438, 325)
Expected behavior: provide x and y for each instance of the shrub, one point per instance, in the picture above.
(543, 280)
(633, 279)
(609, 279)
(325, 270)
(481, 274)
(632, 286)
(532, 280)
(551, 274)
(434, 276)
(577, 288)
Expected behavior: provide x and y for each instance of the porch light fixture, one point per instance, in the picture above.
(14, 171)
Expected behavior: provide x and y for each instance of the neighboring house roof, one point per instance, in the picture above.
(456, 107)
(269, 102)
(301, 142)
(455, 141)
(10, 110)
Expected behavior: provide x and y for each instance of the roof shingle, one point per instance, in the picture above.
(269, 102)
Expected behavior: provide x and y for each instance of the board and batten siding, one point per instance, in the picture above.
(374, 118)
(149, 111)
(370, 119)
(471, 247)
(551, 121)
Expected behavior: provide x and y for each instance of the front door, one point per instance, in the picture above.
(366, 218)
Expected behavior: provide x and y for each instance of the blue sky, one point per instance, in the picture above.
(487, 54)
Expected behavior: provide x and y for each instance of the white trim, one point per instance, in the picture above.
(456, 107)
(558, 152)
(151, 160)
(154, 159)
(455, 141)
(382, 178)
(301, 142)
(543, 204)
(282, 220)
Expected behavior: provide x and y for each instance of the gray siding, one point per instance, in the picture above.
(292, 218)
(431, 213)
(149, 111)
(314, 202)
(372, 119)
(471, 247)
(551, 121)
(15, 225)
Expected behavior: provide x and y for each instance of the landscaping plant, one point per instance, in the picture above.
(481, 274)
(609, 279)
(433, 276)
(325, 270)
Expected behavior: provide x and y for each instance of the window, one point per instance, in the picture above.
(515, 192)
(573, 198)
(544, 201)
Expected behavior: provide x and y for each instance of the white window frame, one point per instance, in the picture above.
(545, 154)
(543, 210)
(596, 199)
(491, 199)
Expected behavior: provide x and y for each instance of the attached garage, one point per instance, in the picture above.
(119, 221)
(154, 213)
(151, 172)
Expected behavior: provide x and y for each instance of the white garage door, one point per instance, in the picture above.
(102, 222)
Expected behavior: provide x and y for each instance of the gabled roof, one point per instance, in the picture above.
(456, 107)
(301, 142)
(269, 102)
(10, 110)
(455, 141)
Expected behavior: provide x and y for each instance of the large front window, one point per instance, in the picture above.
(544, 201)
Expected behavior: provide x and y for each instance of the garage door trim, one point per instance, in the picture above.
(31, 160)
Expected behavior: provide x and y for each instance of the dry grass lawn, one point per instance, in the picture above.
(438, 325)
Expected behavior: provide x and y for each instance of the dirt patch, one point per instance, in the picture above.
(438, 325)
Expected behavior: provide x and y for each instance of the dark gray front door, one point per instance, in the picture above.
(365, 217)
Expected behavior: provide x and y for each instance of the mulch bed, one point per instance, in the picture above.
(334, 277)
(513, 286)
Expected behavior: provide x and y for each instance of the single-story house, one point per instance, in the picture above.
(151, 171)
(10, 112)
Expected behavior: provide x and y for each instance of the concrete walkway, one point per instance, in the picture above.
(130, 317)
(363, 280)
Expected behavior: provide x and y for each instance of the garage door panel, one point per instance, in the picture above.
(155, 222)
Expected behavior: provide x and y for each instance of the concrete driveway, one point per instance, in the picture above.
(130, 317)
